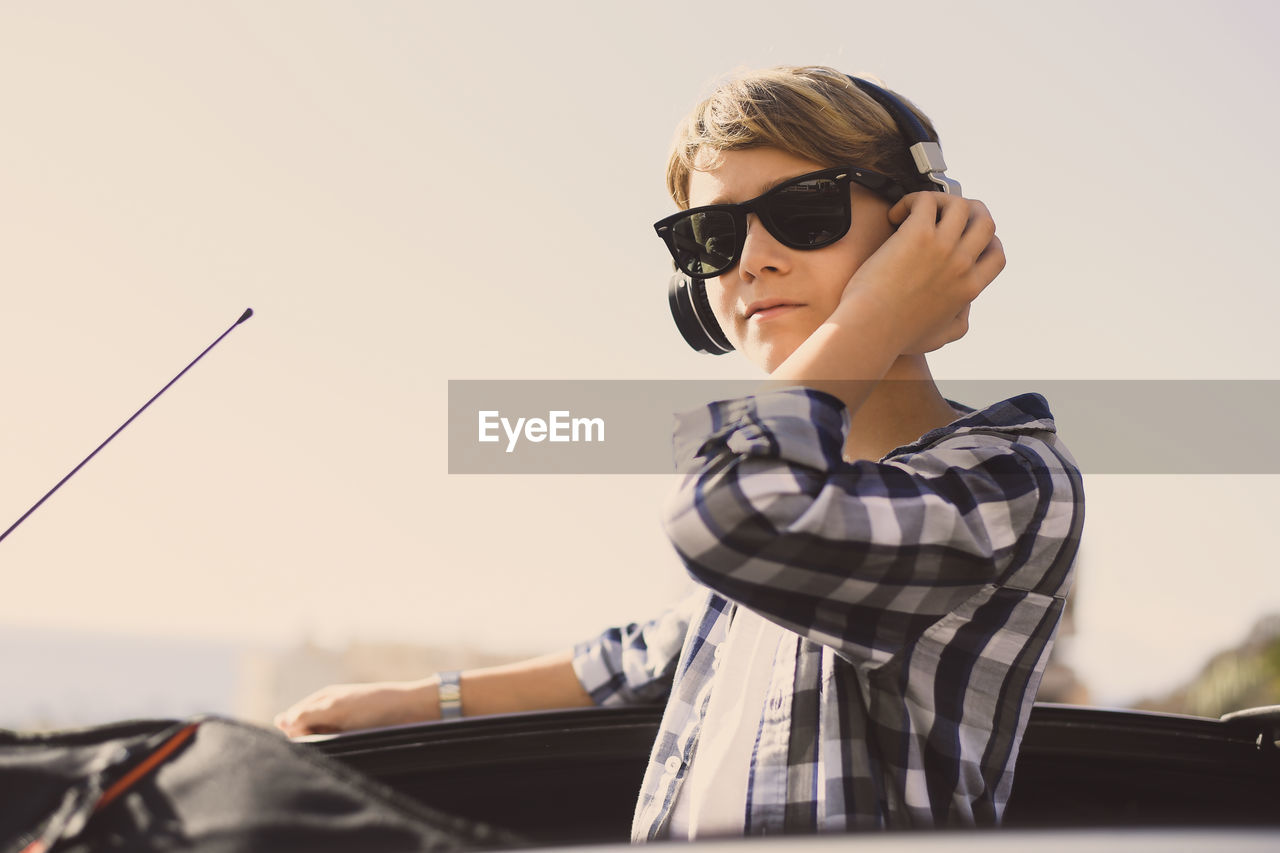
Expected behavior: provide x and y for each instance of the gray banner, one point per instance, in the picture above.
(624, 426)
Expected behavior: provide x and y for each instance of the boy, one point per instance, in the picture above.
(883, 572)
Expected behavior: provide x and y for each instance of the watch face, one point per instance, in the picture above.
(450, 692)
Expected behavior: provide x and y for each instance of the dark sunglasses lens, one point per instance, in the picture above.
(705, 242)
(810, 214)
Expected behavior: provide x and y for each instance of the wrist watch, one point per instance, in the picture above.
(450, 695)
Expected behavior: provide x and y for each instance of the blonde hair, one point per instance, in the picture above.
(813, 112)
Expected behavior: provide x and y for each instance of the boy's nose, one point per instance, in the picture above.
(761, 251)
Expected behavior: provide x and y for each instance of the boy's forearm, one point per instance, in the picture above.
(538, 684)
(846, 356)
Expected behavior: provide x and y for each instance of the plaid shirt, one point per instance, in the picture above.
(921, 594)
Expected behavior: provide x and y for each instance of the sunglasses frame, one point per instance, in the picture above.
(881, 185)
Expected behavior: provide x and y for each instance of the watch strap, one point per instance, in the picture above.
(450, 695)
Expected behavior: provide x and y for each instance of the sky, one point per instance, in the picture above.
(408, 193)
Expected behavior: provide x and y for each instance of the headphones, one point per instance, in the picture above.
(690, 307)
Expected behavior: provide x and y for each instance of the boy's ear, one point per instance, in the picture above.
(691, 310)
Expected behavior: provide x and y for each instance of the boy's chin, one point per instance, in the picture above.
(767, 361)
(768, 356)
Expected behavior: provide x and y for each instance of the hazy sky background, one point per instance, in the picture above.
(408, 193)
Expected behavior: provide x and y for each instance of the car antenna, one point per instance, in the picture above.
(248, 312)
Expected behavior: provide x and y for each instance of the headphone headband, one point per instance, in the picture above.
(926, 153)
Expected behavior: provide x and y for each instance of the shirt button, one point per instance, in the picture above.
(673, 764)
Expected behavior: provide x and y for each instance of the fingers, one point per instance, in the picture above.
(344, 707)
(923, 208)
(960, 229)
(316, 714)
(291, 725)
(978, 231)
(296, 723)
(902, 209)
(954, 217)
(991, 261)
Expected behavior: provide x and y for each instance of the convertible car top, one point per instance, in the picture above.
(564, 777)
(568, 777)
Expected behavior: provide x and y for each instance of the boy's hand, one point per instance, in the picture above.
(924, 277)
(344, 707)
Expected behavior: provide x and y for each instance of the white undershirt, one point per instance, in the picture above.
(713, 799)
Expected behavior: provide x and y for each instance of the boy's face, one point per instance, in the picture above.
(775, 297)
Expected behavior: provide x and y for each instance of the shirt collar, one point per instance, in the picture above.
(1025, 413)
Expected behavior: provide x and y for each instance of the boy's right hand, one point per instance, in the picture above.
(924, 277)
(345, 707)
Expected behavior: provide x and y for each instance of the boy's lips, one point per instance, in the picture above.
(765, 308)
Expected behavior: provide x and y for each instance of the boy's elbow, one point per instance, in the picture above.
(716, 525)
(684, 524)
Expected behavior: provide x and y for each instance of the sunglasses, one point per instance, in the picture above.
(806, 212)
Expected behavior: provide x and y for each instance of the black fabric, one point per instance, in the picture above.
(228, 787)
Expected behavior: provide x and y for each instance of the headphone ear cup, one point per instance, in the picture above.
(691, 310)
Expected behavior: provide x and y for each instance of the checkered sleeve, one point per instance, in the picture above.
(862, 556)
(635, 663)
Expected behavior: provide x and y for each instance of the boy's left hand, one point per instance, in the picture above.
(925, 276)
